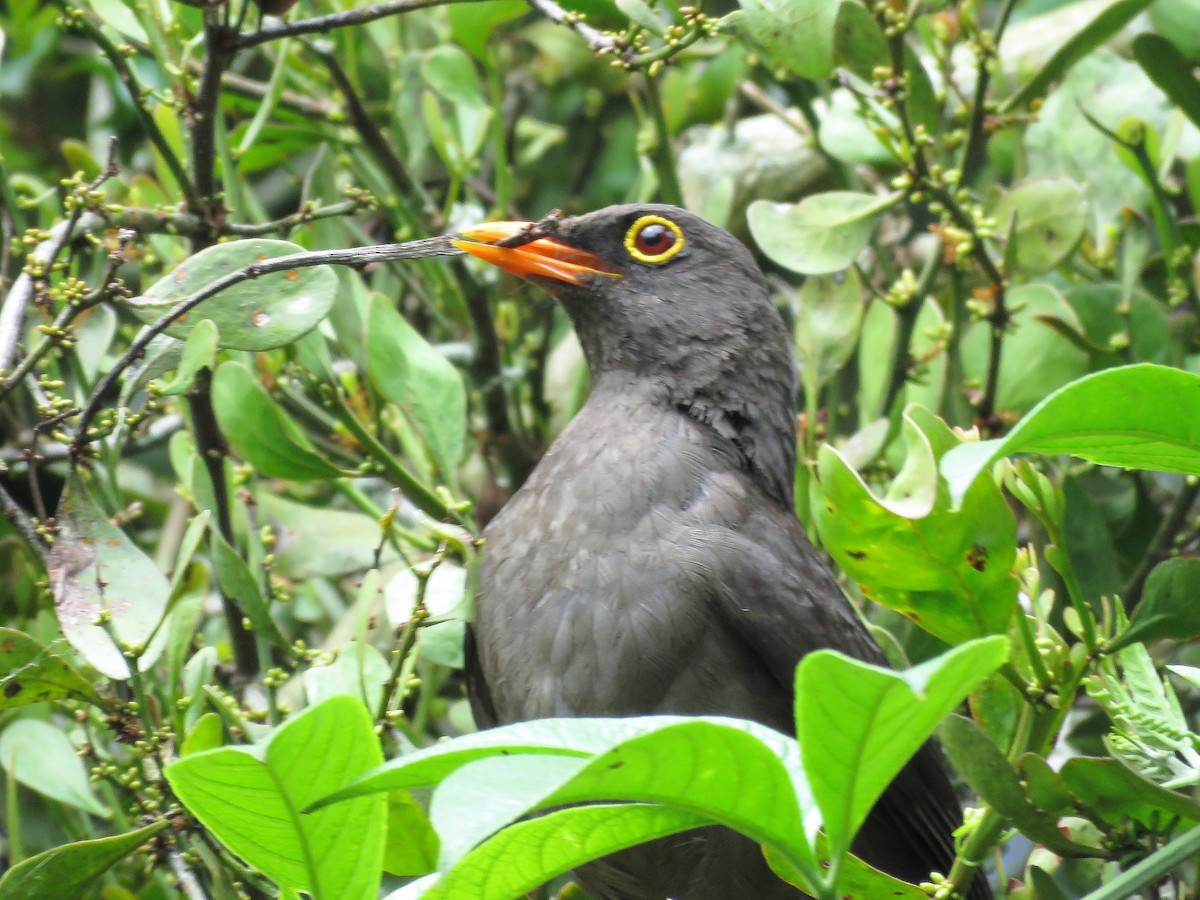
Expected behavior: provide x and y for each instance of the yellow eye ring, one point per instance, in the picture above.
(653, 239)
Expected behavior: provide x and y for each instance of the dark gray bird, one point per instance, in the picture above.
(653, 562)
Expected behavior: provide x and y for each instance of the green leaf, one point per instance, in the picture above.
(1176, 19)
(949, 571)
(1096, 32)
(40, 756)
(1138, 417)
(1051, 217)
(740, 773)
(412, 844)
(858, 42)
(528, 854)
(259, 431)
(207, 734)
(819, 235)
(199, 352)
(1168, 69)
(992, 777)
(1116, 793)
(260, 314)
(412, 374)
(1063, 142)
(473, 24)
(316, 541)
(95, 568)
(795, 35)
(119, 16)
(856, 880)
(451, 74)
(239, 583)
(70, 869)
(251, 799)
(858, 724)
(359, 670)
(30, 673)
(1170, 605)
(829, 311)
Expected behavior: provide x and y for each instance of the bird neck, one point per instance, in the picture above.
(758, 422)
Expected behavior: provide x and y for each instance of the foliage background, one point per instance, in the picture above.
(965, 206)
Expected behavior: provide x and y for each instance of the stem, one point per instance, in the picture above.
(420, 495)
(664, 157)
(908, 314)
(121, 65)
(212, 448)
(1149, 870)
(322, 24)
(1164, 539)
(973, 147)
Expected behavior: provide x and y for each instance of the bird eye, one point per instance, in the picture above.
(653, 239)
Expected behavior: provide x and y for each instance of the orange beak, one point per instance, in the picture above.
(544, 257)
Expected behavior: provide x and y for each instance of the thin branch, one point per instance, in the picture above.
(20, 520)
(12, 315)
(374, 139)
(220, 45)
(257, 90)
(322, 24)
(1164, 540)
(356, 257)
(598, 41)
(136, 94)
(212, 450)
(901, 352)
(974, 143)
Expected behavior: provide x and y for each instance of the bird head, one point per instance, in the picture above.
(670, 304)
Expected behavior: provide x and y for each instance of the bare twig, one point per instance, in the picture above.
(20, 520)
(12, 315)
(598, 41)
(322, 24)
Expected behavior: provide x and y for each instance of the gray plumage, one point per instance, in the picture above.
(653, 562)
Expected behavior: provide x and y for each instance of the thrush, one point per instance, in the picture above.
(653, 562)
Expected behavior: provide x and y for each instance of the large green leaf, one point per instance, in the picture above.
(947, 570)
(70, 869)
(261, 314)
(739, 773)
(30, 672)
(251, 799)
(413, 375)
(40, 756)
(1139, 417)
(96, 569)
(796, 35)
(260, 432)
(528, 854)
(819, 235)
(858, 724)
